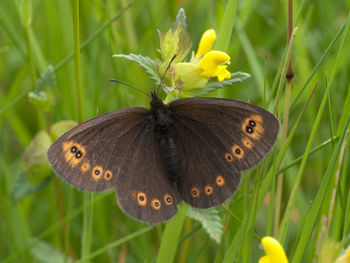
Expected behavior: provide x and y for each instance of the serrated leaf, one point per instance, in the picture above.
(42, 94)
(184, 42)
(45, 252)
(148, 64)
(210, 221)
(47, 80)
(236, 77)
(180, 20)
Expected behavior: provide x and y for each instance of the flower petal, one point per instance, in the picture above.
(222, 73)
(189, 74)
(345, 258)
(274, 251)
(212, 65)
(206, 42)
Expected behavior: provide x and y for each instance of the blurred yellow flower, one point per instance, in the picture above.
(274, 251)
(345, 258)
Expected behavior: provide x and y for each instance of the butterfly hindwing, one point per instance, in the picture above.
(145, 190)
(218, 138)
(91, 156)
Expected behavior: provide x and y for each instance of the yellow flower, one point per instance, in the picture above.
(274, 251)
(345, 258)
(206, 42)
(211, 64)
(211, 61)
(186, 77)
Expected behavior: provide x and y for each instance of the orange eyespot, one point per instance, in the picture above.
(97, 172)
(220, 181)
(237, 152)
(155, 203)
(247, 143)
(74, 153)
(168, 200)
(108, 175)
(85, 167)
(67, 145)
(208, 190)
(253, 126)
(229, 157)
(141, 199)
(195, 192)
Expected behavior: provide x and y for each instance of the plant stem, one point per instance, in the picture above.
(77, 59)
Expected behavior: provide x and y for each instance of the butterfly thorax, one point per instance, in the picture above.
(166, 134)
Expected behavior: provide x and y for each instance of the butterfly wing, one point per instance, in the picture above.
(91, 156)
(219, 138)
(117, 150)
(145, 190)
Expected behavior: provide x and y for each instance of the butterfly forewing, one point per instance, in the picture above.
(218, 138)
(91, 156)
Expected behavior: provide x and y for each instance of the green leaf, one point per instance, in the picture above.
(43, 91)
(180, 20)
(26, 12)
(23, 188)
(44, 252)
(236, 77)
(210, 221)
(47, 79)
(36, 166)
(171, 236)
(148, 64)
(60, 127)
(226, 26)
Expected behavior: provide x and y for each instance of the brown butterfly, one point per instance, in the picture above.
(193, 149)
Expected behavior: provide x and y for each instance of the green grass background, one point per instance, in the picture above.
(54, 222)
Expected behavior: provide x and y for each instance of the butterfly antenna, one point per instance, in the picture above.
(162, 79)
(121, 82)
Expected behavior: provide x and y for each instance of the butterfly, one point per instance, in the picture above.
(192, 149)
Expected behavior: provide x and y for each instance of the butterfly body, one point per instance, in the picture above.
(192, 149)
(164, 129)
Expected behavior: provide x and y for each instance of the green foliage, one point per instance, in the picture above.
(214, 84)
(43, 219)
(148, 64)
(210, 220)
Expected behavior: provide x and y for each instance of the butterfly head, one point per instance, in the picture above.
(156, 102)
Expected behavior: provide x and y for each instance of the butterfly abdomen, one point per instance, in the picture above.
(165, 133)
(170, 156)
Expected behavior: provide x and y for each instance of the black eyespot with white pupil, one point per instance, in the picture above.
(249, 129)
(141, 198)
(78, 154)
(252, 123)
(156, 203)
(97, 172)
(238, 151)
(168, 200)
(73, 149)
